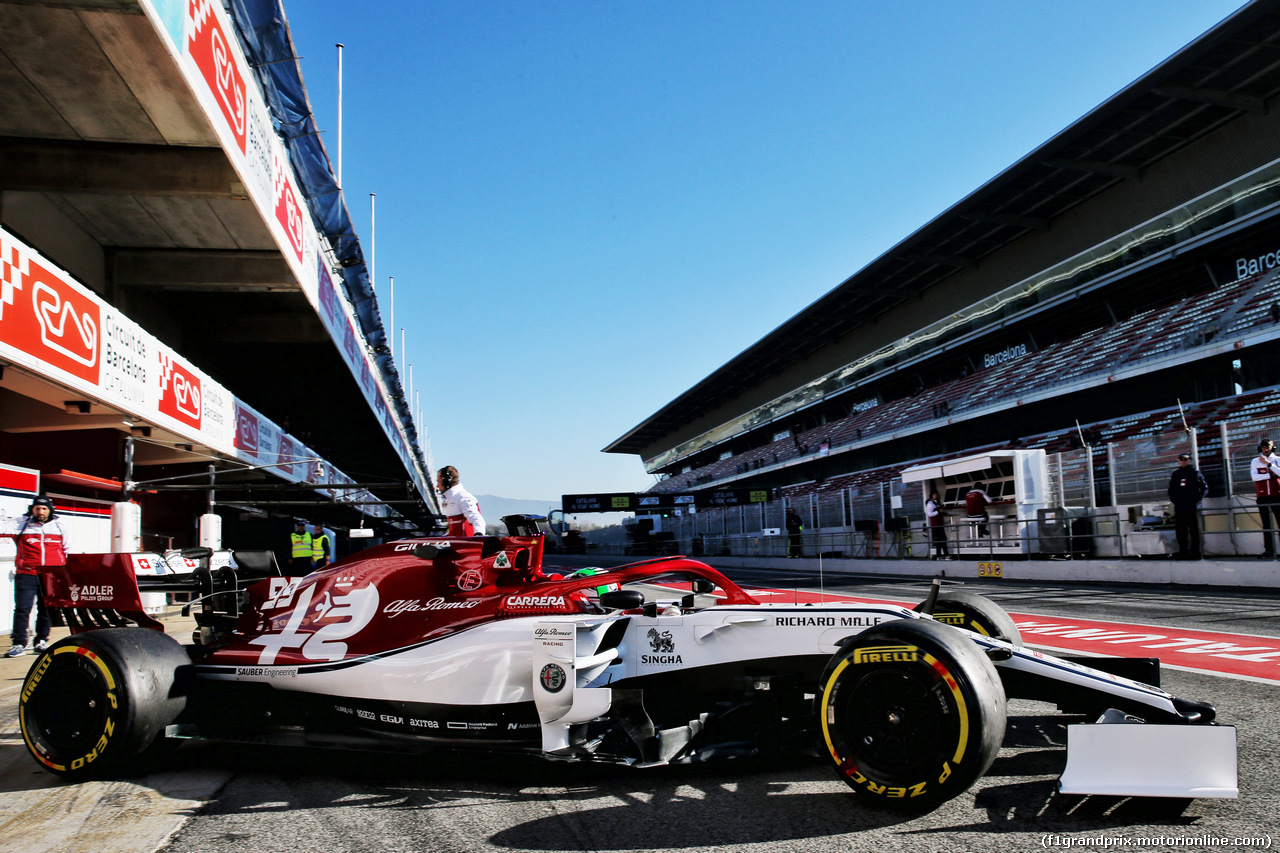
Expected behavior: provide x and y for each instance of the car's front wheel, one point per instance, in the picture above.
(911, 713)
(976, 613)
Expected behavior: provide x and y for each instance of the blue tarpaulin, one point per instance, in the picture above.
(265, 38)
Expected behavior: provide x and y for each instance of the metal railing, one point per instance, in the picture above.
(1082, 534)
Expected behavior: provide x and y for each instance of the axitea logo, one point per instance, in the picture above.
(180, 396)
(213, 55)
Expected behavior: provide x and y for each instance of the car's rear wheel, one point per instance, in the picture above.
(93, 703)
(911, 713)
(975, 613)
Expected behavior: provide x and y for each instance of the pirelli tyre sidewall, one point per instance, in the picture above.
(976, 613)
(93, 703)
(912, 713)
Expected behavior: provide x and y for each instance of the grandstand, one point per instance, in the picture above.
(1112, 299)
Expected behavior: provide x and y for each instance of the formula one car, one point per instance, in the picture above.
(472, 643)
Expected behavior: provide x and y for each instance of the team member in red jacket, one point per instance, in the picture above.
(459, 505)
(43, 539)
(976, 502)
(1265, 471)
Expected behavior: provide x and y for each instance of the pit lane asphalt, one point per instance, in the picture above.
(278, 800)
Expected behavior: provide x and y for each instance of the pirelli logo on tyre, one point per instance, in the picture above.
(886, 654)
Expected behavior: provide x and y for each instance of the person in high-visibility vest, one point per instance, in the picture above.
(319, 546)
(300, 553)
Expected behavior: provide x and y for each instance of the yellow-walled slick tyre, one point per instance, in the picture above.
(975, 613)
(911, 713)
(93, 703)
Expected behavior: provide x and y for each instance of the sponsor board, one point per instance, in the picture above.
(219, 65)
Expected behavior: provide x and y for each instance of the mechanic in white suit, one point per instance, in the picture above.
(461, 507)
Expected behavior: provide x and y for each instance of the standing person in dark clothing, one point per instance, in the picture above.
(937, 527)
(1186, 489)
(794, 528)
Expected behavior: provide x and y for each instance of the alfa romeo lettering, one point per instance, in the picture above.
(399, 606)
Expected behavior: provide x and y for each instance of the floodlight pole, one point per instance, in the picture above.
(339, 175)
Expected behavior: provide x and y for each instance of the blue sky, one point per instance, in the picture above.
(589, 206)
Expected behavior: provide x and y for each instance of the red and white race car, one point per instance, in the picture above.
(471, 643)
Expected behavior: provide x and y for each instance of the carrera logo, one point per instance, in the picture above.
(886, 654)
(212, 54)
(534, 601)
(179, 392)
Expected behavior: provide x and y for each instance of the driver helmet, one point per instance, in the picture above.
(586, 573)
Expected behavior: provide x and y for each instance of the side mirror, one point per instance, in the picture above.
(492, 545)
(622, 599)
(702, 586)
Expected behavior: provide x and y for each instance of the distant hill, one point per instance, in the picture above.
(493, 508)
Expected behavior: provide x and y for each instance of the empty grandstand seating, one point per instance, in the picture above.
(1225, 313)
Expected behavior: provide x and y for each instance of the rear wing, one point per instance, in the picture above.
(95, 591)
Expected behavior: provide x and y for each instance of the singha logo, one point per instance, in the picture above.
(663, 647)
(661, 642)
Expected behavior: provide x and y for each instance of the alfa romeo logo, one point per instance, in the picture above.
(552, 678)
